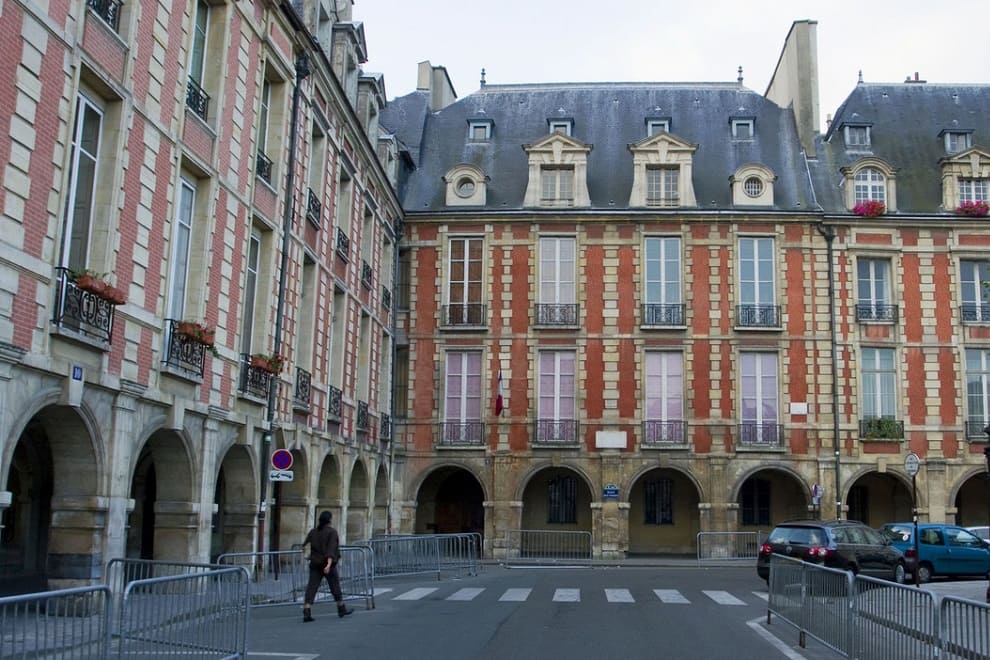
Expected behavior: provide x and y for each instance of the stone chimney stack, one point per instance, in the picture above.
(434, 79)
(795, 81)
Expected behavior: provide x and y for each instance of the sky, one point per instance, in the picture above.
(540, 41)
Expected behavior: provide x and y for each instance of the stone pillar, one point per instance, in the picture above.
(610, 528)
(718, 488)
(200, 551)
(407, 517)
(119, 459)
(177, 529)
(75, 550)
(932, 503)
(508, 517)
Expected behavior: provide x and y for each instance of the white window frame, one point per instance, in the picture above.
(870, 183)
(182, 236)
(462, 368)
(856, 136)
(473, 128)
(873, 273)
(761, 288)
(563, 126)
(977, 388)
(974, 189)
(252, 264)
(957, 141)
(879, 377)
(763, 381)
(197, 50)
(552, 191)
(556, 394)
(750, 129)
(558, 274)
(972, 274)
(654, 126)
(76, 248)
(263, 116)
(664, 386)
(662, 272)
(663, 185)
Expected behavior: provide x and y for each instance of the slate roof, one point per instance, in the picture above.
(609, 117)
(905, 120)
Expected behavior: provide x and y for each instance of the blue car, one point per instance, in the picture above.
(942, 549)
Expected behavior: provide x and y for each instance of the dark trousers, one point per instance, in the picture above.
(316, 576)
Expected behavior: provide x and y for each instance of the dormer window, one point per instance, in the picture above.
(856, 135)
(655, 125)
(466, 186)
(480, 130)
(870, 180)
(956, 141)
(662, 172)
(558, 172)
(973, 190)
(557, 185)
(752, 185)
(562, 126)
(743, 128)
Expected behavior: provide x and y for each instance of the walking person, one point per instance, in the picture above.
(324, 553)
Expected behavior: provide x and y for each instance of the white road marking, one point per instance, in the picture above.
(379, 592)
(517, 595)
(762, 595)
(469, 593)
(416, 594)
(619, 596)
(567, 596)
(723, 597)
(671, 596)
(773, 640)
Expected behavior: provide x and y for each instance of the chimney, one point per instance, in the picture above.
(794, 83)
(915, 79)
(434, 79)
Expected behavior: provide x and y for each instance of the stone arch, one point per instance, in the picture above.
(968, 497)
(876, 497)
(664, 517)
(235, 499)
(329, 493)
(550, 501)
(449, 500)
(358, 501)
(737, 486)
(766, 495)
(687, 474)
(416, 484)
(379, 522)
(591, 483)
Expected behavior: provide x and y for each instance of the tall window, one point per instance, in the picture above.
(756, 283)
(975, 296)
(464, 275)
(345, 195)
(556, 422)
(873, 283)
(754, 502)
(879, 378)
(557, 270)
(197, 99)
(462, 400)
(658, 495)
(664, 397)
(404, 277)
(83, 174)
(758, 397)
(557, 185)
(181, 241)
(263, 114)
(974, 190)
(662, 281)
(250, 291)
(870, 184)
(562, 501)
(977, 390)
(338, 338)
(661, 186)
(401, 381)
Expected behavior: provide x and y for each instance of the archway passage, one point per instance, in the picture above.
(357, 505)
(973, 501)
(557, 499)
(876, 498)
(663, 514)
(450, 501)
(236, 500)
(768, 497)
(164, 521)
(379, 523)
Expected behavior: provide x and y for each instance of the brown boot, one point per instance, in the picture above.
(342, 611)
(307, 615)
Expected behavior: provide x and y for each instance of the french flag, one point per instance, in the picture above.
(499, 402)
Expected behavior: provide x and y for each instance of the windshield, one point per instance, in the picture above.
(797, 535)
(896, 533)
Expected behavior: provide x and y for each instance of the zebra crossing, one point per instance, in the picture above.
(573, 595)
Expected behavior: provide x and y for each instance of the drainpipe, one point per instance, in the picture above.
(302, 72)
(393, 320)
(828, 233)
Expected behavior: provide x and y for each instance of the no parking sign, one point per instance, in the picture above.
(281, 459)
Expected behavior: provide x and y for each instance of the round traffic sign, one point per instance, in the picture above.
(912, 464)
(281, 459)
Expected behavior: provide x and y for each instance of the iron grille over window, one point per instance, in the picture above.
(876, 312)
(366, 274)
(386, 298)
(758, 316)
(82, 311)
(334, 403)
(361, 421)
(385, 432)
(108, 10)
(314, 210)
(754, 500)
(881, 427)
(556, 431)
(254, 380)
(556, 314)
(658, 433)
(562, 501)
(343, 245)
(197, 100)
(658, 502)
(461, 433)
(761, 434)
(263, 167)
(303, 392)
(975, 429)
(464, 314)
(183, 352)
(672, 315)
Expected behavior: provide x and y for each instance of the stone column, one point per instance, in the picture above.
(611, 537)
(932, 504)
(75, 551)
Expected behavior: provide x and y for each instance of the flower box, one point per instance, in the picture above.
(198, 333)
(871, 208)
(973, 209)
(270, 363)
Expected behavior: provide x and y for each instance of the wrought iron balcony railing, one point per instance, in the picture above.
(82, 311)
(254, 380)
(876, 312)
(657, 433)
(555, 431)
(366, 274)
(669, 315)
(761, 434)
(977, 429)
(108, 10)
(386, 298)
(183, 352)
(881, 428)
(303, 392)
(343, 245)
(263, 167)
(461, 433)
(314, 209)
(975, 313)
(556, 314)
(463, 314)
(385, 432)
(335, 404)
(757, 316)
(361, 421)
(197, 100)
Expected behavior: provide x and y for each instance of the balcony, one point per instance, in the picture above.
(876, 313)
(550, 432)
(343, 245)
(974, 313)
(461, 434)
(255, 381)
(758, 316)
(263, 167)
(366, 274)
(660, 434)
(314, 210)
(303, 392)
(881, 428)
(82, 312)
(385, 432)
(560, 314)
(108, 10)
(197, 100)
(466, 314)
(362, 420)
(761, 435)
(335, 404)
(386, 298)
(663, 315)
(182, 352)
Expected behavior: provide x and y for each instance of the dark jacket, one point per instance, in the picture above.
(324, 543)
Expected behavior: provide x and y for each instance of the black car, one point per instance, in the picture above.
(844, 544)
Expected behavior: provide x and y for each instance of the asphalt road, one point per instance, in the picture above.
(600, 613)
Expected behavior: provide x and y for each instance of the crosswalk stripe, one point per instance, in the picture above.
(379, 592)
(672, 596)
(416, 594)
(762, 595)
(619, 596)
(469, 593)
(567, 596)
(516, 595)
(723, 597)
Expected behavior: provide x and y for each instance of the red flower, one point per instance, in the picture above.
(871, 208)
(973, 209)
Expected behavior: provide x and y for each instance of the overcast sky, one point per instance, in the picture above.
(525, 41)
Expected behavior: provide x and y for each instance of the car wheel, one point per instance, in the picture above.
(899, 573)
(925, 572)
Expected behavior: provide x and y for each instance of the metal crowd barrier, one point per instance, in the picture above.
(198, 615)
(813, 601)
(415, 554)
(728, 545)
(541, 546)
(69, 623)
(893, 621)
(964, 627)
(121, 571)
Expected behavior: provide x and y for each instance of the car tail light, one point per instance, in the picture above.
(766, 549)
(818, 552)
(910, 553)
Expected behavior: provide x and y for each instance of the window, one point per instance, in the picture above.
(557, 281)
(879, 378)
(754, 502)
(658, 496)
(562, 501)
(404, 277)
(654, 126)
(975, 296)
(337, 350)
(664, 388)
(479, 131)
(196, 97)
(870, 184)
(973, 190)
(873, 283)
(956, 141)
(758, 398)
(561, 126)
(464, 277)
(857, 136)
(662, 281)
(977, 391)
(661, 186)
(756, 283)
(462, 399)
(753, 186)
(401, 402)
(742, 129)
(83, 178)
(556, 397)
(181, 242)
(250, 292)
(557, 187)
(464, 187)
